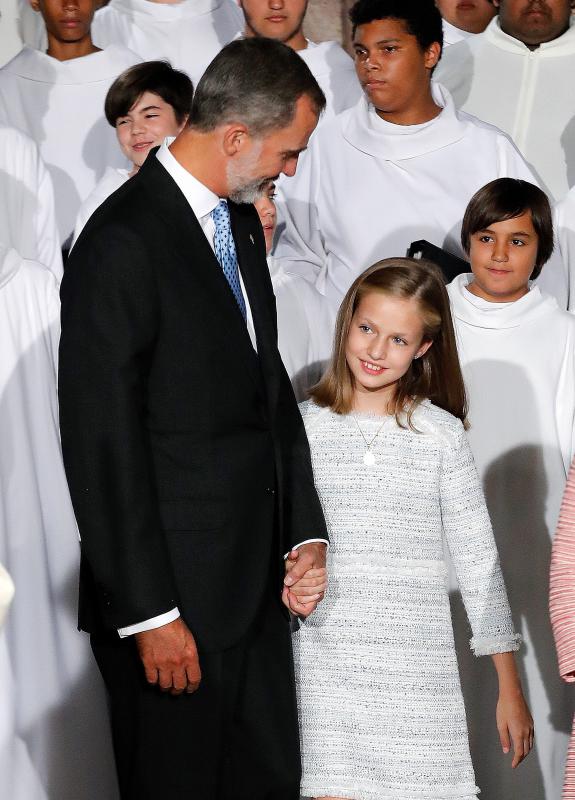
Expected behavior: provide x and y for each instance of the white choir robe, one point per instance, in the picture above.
(31, 26)
(300, 309)
(28, 216)
(527, 93)
(367, 189)
(453, 35)
(334, 70)
(18, 777)
(10, 37)
(60, 104)
(564, 223)
(518, 361)
(189, 33)
(58, 714)
(111, 180)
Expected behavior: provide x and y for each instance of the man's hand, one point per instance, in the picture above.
(306, 579)
(170, 657)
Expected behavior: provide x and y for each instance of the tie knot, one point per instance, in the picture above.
(221, 214)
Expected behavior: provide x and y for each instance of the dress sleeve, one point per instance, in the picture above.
(562, 583)
(473, 551)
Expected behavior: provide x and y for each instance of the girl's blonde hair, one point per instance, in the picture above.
(436, 375)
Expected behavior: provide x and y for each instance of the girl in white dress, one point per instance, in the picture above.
(381, 709)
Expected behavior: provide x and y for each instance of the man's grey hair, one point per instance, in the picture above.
(256, 82)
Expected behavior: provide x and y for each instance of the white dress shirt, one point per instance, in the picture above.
(202, 202)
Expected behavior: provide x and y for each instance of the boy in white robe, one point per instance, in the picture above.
(516, 75)
(398, 167)
(58, 709)
(328, 62)
(189, 33)
(57, 98)
(28, 217)
(462, 20)
(146, 104)
(517, 351)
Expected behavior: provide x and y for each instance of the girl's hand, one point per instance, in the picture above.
(515, 724)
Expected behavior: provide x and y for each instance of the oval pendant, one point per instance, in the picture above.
(369, 458)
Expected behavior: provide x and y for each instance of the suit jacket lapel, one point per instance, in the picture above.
(250, 248)
(190, 241)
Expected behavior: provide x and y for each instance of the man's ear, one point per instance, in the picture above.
(235, 137)
(433, 54)
(35, 5)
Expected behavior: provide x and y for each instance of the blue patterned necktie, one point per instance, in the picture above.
(225, 250)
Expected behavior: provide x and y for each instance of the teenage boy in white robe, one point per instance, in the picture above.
(516, 75)
(517, 351)
(28, 217)
(398, 167)
(189, 33)
(146, 104)
(462, 20)
(57, 98)
(57, 711)
(328, 62)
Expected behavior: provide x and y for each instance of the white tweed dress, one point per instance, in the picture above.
(380, 703)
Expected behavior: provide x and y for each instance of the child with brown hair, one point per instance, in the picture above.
(517, 352)
(381, 709)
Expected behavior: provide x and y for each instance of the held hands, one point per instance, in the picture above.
(515, 724)
(170, 657)
(306, 578)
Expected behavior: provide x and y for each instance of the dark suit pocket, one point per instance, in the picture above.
(192, 515)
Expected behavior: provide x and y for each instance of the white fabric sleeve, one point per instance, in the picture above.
(149, 624)
(46, 228)
(299, 244)
(307, 541)
(473, 551)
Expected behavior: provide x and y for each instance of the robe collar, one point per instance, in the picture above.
(42, 68)
(562, 46)
(10, 263)
(365, 131)
(454, 35)
(479, 313)
(162, 12)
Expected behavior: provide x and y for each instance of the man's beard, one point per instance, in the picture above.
(243, 187)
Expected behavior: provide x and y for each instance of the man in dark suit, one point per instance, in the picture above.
(185, 453)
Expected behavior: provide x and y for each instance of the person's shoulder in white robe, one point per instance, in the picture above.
(111, 180)
(60, 104)
(532, 331)
(334, 70)
(189, 33)
(28, 218)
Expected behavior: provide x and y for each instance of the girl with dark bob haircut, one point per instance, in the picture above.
(504, 199)
(157, 77)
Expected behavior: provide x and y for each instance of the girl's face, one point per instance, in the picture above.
(503, 258)
(385, 335)
(146, 125)
(266, 209)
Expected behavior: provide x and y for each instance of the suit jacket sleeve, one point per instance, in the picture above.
(109, 323)
(302, 512)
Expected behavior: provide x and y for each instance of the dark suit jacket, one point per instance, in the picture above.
(186, 456)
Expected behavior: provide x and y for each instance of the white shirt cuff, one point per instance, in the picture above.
(149, 624)
(307, 541)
